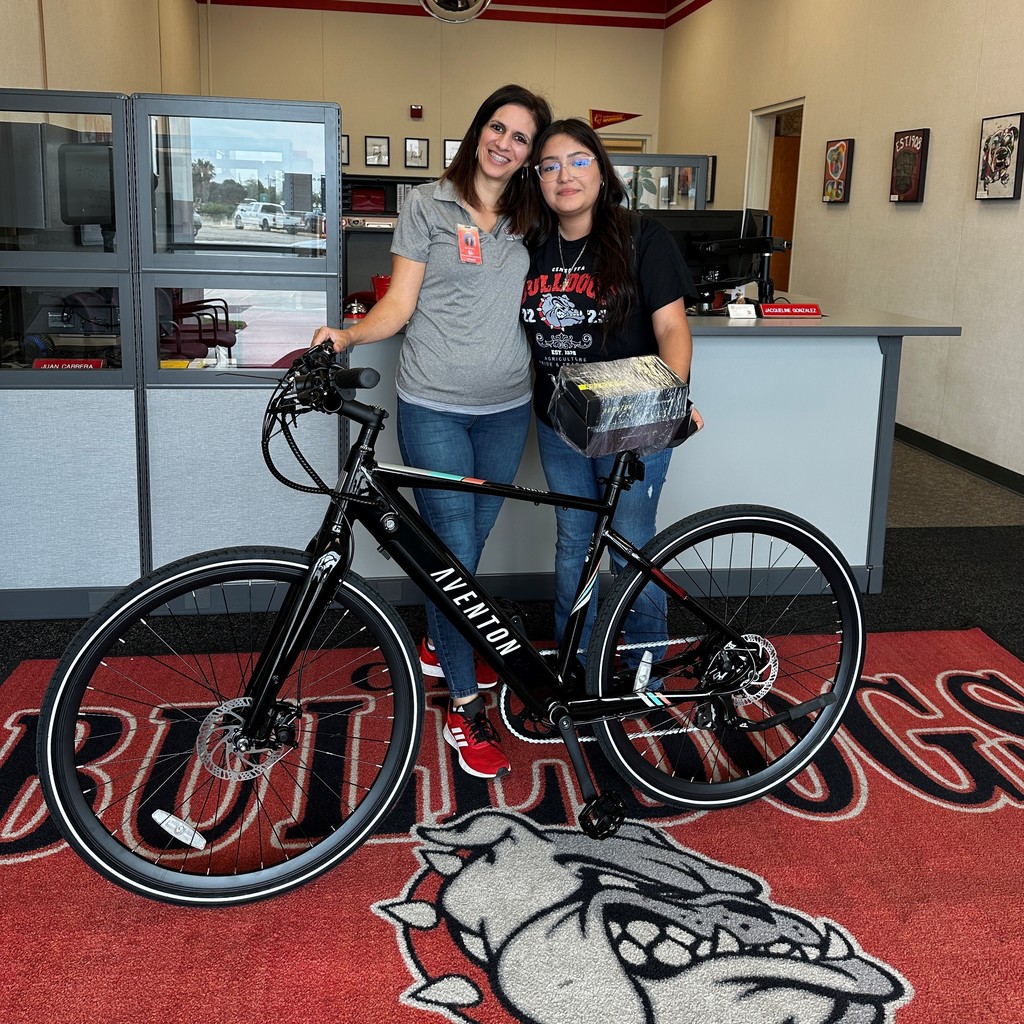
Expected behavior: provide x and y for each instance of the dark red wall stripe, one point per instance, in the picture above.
(606, 13)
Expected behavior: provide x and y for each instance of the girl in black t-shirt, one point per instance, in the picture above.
(603, 284)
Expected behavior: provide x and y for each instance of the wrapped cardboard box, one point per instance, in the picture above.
(636, 403)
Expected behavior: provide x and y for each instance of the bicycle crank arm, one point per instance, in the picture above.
(602, 813)
(789, 715)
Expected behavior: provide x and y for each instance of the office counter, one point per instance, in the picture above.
(799, 414)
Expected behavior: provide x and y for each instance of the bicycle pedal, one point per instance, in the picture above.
(603, 815)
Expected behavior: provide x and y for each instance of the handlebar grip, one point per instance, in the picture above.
(346, 378)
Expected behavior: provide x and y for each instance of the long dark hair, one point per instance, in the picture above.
(520, 201)
(611, 232)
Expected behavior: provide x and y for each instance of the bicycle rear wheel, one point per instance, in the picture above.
(786, 588)
(136, 752)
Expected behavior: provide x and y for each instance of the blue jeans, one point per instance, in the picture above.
(570, 472)
(487, 447)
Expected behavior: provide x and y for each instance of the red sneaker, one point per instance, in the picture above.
(486, 677)
(429, 661)
(468, 730)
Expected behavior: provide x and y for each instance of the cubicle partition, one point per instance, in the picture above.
(143, 323)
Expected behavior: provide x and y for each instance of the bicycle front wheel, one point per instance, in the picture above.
(783, 586)
(136, 747)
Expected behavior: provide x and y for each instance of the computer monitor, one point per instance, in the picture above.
(692, 228)
(716, 246)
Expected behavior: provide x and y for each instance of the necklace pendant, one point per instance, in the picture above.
(561, 259)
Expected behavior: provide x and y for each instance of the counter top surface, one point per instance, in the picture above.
(836, 321)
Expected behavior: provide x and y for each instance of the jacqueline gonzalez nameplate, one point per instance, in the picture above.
(770, 309)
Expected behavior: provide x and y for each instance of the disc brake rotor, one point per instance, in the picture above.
(218, 750)
(764, 671)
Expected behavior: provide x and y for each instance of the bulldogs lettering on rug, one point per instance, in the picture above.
(979, 743)
(636, 929)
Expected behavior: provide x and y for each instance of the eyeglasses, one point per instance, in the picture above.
(577, 167)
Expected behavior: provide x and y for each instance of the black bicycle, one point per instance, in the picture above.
(237, 722)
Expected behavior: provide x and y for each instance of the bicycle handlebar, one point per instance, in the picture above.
(316, 382)
(322, 384)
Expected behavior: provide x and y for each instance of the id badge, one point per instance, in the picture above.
(469, 243)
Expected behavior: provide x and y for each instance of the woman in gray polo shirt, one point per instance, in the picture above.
(464, 380)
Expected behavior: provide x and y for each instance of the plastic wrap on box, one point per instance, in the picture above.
(636, 403)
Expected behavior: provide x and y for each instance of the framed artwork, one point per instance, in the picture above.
(417, 153)
(684, 187)
(909, 162)
(344, 151)
(709, 195)
(999, 160)
(838, 167)
(451, 147)
(378, 150)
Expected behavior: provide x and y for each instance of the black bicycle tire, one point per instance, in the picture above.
(91, 839)
(666, 546)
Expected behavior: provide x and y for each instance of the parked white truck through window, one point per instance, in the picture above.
(266, 217)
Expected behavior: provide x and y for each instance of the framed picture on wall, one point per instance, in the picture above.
(999, 160)
(838, 167)
(417, 153)
(451, 147)
(685, 178)
(344, 151)
(909, 162)
(709, 196)
(377, 150)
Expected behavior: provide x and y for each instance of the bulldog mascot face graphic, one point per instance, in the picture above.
(997, 158)
(555, 927)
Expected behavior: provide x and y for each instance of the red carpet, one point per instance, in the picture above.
(884, 885)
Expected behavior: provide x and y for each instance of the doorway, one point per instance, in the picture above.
(773, 164)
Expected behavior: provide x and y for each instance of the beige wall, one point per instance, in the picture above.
(114, 46)
(21, 53)
(376, 67)
(866, 70)
(863, 68)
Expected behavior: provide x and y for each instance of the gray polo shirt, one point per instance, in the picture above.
(464, 348)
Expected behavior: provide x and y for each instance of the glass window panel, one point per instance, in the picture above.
(204, 328)
(655, 187)
(59, 328)
(56, 182)
(236, 185)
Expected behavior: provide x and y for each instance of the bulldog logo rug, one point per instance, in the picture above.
(635, 929)
(881, 886)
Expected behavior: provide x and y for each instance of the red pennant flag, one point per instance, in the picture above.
(603, 118)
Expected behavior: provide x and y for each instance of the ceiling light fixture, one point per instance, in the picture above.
(454, 12)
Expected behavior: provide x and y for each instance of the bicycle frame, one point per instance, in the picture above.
(367, 493)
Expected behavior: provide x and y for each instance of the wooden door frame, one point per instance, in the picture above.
(760, 144)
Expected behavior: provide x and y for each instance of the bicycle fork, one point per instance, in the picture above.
(266, 721)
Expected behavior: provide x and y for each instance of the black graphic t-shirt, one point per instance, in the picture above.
(563, 312)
